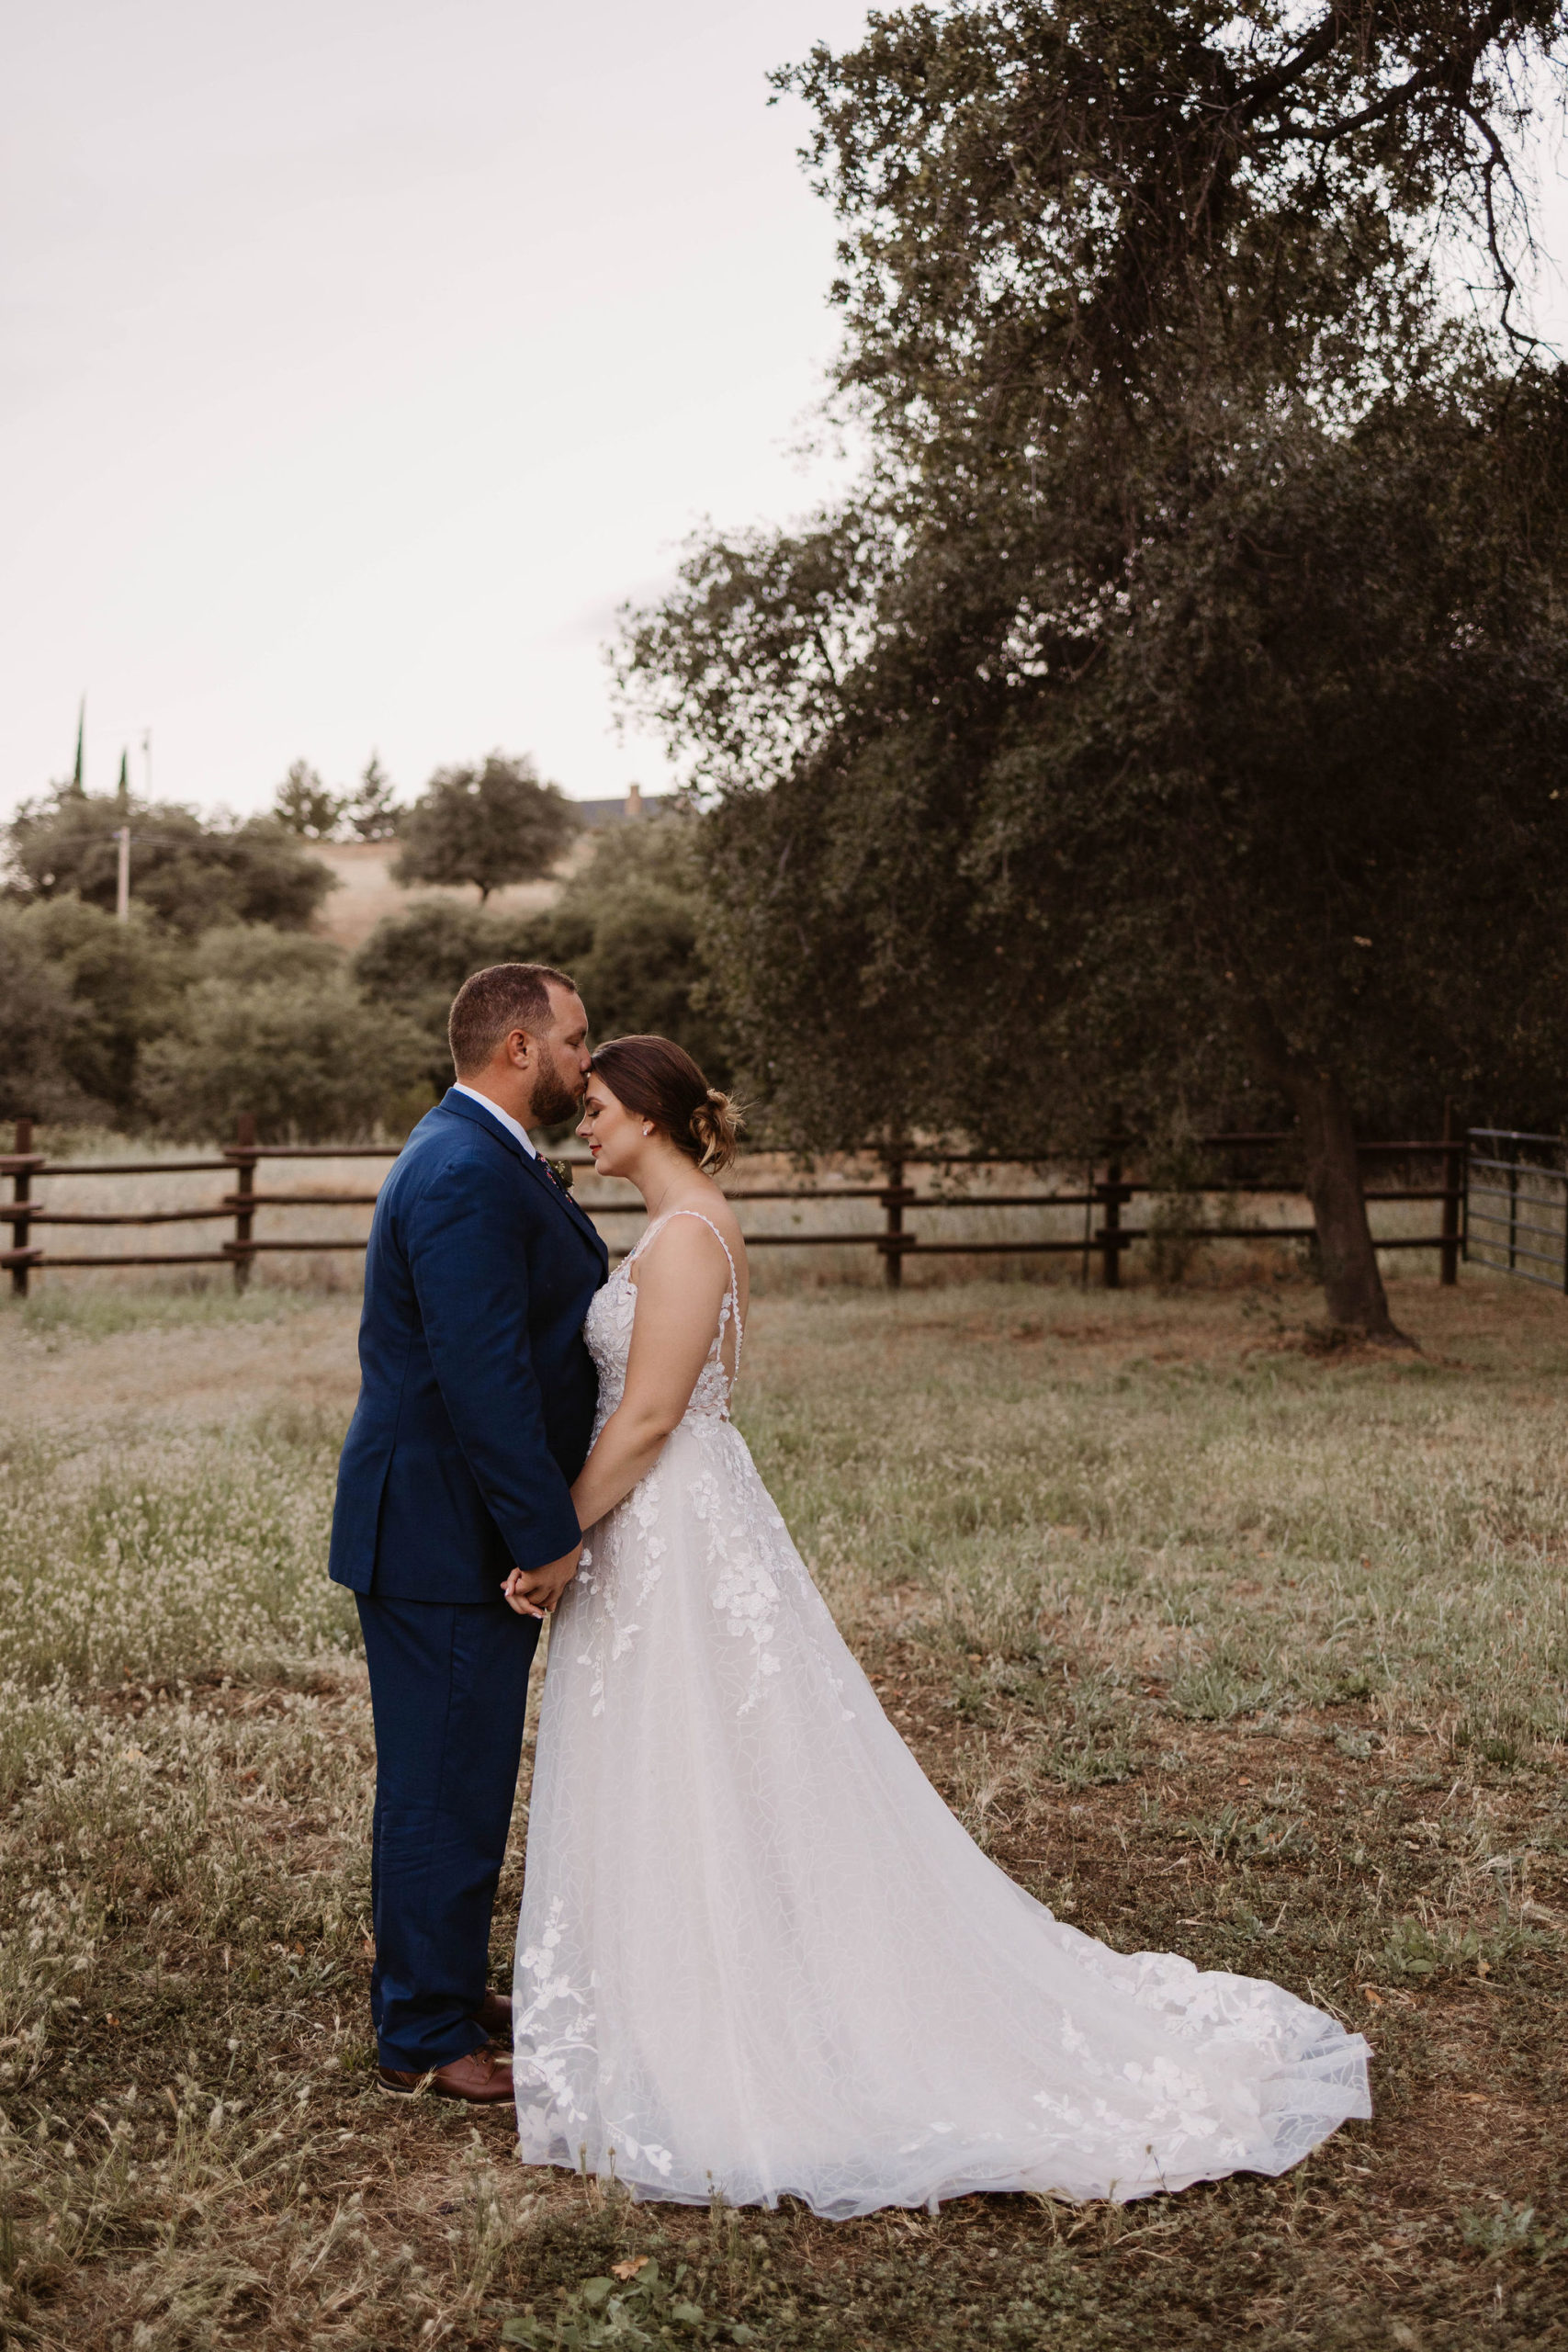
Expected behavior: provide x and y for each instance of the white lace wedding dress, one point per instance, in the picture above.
(757, 1953)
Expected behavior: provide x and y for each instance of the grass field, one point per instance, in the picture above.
(1222, 1639)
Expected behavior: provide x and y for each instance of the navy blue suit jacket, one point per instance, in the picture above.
(477, 1392)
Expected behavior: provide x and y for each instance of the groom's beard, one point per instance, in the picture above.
(554, 1100)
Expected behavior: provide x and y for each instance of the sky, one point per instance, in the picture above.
(360, 360)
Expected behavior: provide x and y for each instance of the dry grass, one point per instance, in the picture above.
(1219, 1643)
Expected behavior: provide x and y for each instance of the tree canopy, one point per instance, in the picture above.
(122, 985)
(189, 872)
(371, 811)
(632, 922)
(304, 1051)
(1076, 193)
(1173, 711)
(491, 825)
(628, 925)
(303, 805)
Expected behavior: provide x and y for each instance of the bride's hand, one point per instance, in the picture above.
(534, 1592)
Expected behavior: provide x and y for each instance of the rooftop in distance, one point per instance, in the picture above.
(637, 803)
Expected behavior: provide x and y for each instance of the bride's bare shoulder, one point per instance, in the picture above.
(685, 1233)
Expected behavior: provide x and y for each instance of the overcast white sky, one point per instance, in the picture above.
(359, 359)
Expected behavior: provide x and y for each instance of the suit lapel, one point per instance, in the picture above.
(461, 1107)
(559, 1194)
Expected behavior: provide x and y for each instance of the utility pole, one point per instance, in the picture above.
(147, 758)
(122, 881)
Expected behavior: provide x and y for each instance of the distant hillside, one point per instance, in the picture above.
(366, 891)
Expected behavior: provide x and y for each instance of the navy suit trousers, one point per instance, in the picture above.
(448, 1687)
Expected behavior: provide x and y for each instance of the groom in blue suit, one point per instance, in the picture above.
(476, 1406)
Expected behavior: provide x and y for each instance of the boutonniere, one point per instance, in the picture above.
(561, 1170)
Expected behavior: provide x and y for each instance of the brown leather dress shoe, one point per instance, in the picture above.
(494, 2016)
(481, 2079)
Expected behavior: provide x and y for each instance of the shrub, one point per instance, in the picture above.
(186, 871)
(415, 963)
(312, 1059)
(641, 900)
(254, 955)
(39, 1025)
(125, 983)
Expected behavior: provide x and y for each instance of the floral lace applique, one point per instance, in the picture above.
(554, 2038)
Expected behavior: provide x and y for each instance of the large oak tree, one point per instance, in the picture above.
(1179, 701)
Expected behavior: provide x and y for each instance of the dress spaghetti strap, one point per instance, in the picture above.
(732, 1301)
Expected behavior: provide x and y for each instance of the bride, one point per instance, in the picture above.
(756, 1952)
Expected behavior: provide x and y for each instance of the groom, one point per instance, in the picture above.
(476, 1404)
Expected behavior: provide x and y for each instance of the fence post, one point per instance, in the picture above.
(893, 1198)
(26, 1160)
(242, 1152)
(1111, 1193)
(1453, 1184)
(1464, 1201)
(1513, 1215)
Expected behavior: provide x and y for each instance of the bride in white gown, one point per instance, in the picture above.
(758, 1954)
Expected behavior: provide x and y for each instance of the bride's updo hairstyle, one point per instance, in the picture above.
(659, 1081)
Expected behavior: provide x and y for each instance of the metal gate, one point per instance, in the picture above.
(1515, 1204)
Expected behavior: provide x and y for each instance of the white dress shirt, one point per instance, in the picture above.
(507, 1121)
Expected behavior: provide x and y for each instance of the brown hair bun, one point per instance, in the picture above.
(715, 1127)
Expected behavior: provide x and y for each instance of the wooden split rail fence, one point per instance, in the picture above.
(1104, 1234)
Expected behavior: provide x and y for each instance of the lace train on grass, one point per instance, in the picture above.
(757, 1951)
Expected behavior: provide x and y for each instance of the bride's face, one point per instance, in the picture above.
(612, 1134)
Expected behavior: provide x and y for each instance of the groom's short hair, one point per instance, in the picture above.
(494, 1002)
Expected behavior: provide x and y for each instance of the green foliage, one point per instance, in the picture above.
(303, 805)
(307, 1054)
(187, 872)
(415, 963)
(641, 902)
(252, 955)
(183, 1905)
(130, 1024)
(1178, 1218)
(490, 825)
(125, 983)
(627, 926)
(647, 2308)
(1512, 2229)
(40, 1020)
(1284, 799)
(371, 811)
(1172, 714)
(1042, 198)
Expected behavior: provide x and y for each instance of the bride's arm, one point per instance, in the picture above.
(681, 1283)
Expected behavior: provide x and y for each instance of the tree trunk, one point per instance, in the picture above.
(1351, 1282)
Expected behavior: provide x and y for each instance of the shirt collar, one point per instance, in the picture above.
(507, 1121)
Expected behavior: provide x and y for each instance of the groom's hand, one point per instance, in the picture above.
(534, 1592)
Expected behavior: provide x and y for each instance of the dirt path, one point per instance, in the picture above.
(192, 1372)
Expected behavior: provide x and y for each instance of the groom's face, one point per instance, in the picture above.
(561, 1073)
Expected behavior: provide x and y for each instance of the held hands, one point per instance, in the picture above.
(534, 1592)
